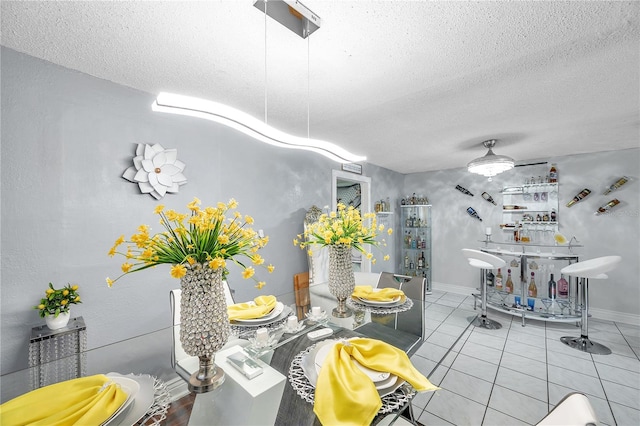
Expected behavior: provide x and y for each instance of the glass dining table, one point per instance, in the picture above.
(401, 325)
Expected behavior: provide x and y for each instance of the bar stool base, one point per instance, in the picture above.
(484, 322)
(585, 345)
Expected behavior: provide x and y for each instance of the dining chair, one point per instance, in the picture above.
(573, 410)
(409, 326)
(367, 278)
(301, 289)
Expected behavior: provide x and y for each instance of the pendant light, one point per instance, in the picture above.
(299, 19)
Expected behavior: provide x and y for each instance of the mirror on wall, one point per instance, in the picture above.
(353, 190)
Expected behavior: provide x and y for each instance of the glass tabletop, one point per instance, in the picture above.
(150, 353)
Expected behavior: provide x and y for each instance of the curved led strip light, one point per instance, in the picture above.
(231, 117)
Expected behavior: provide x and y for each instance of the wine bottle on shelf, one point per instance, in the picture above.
(617, 185)
(412, 265)
(421, 261)
(606, 207)
(509, 284)
(499, 280)
(473, 213)
(490, 278)
(579, 197)
(406, 261)
(553, 289)
(489, 198)
(563, 288)
(464, 190)
(533, 289)
(553, 173)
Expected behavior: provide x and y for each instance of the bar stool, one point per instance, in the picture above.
(589, 269)
(483, 261)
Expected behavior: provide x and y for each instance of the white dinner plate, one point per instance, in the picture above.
(131, 388)
(142, 401)
(271, 315)
(379, 378)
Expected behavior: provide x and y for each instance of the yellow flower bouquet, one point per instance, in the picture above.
(344, 227)
(210, 235)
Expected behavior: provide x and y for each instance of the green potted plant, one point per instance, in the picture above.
(55, 306)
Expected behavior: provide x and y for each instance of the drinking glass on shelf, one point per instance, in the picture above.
(547, 304)
(564, 304)
(503, 295)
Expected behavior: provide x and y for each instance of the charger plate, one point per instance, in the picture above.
(398, 396)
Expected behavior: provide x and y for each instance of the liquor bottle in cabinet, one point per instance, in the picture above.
(415, 246)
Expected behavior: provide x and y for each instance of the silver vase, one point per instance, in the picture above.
(341, 278)
(204, 323)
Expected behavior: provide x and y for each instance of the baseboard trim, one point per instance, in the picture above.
(177, 388)
(602, 314)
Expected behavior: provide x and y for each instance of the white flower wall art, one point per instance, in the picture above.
(156, 170)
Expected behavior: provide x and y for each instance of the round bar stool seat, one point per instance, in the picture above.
(481, 260)
(594, 269)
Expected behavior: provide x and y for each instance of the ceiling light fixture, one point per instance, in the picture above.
(491, 164)
(292, 14)
(301, 21)
(251, 126)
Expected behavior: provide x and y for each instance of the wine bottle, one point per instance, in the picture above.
(473, 213)
(490, 278)
(579, 197)
(509, 283)
(617, 185)
(406, 261)
(533, 290)
(421, 261)
(553, 173)
(489, 198)
(606, 207)
(464, 190)
(563, 288)
(552, 288)
(499, 280)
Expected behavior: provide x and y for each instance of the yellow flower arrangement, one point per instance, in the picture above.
(347, 227)
(204, 236)
(57, 301)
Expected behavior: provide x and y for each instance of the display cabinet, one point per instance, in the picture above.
(415, 253)
(530, 212)
(543, 260)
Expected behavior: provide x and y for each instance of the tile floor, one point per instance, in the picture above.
(515, 375)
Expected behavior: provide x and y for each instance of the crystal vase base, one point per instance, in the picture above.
(207, 378)
(342, 311)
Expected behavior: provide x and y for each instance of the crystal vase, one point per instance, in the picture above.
(204, 323)
(341, 278)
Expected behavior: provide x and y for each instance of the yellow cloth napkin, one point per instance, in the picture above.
(345, 395)
(383, 295)
(262, 306)
(80, 401)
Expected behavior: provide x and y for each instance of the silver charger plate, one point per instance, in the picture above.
(392, 401)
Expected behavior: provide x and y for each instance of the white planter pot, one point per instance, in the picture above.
(54, 323)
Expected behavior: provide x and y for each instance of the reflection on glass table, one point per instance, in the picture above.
(150, 354)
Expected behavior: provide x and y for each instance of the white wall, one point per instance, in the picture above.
(616, 233)
(67, 137)
(66, 140)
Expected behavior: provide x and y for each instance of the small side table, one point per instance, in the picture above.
(57, 355)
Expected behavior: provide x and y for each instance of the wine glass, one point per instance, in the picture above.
(503, 295)
(564, 304)
(547, 304)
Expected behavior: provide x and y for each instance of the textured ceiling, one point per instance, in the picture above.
(414, 86)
